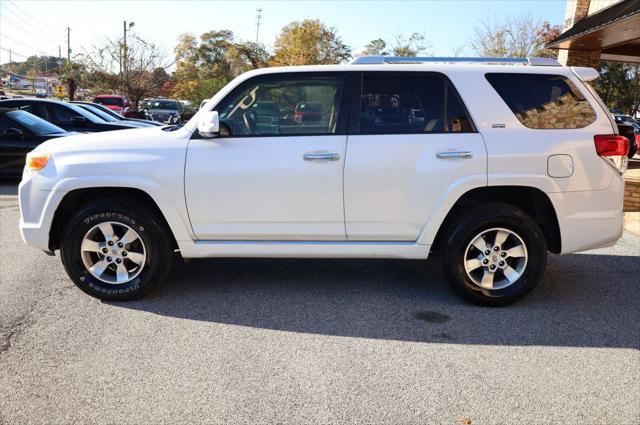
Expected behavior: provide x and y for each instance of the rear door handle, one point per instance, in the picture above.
(321, 156)
(454, 155)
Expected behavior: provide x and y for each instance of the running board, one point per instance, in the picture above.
(303, 249)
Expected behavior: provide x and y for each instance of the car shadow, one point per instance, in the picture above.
(585, 300)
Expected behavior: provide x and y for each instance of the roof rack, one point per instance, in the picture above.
(376, 60)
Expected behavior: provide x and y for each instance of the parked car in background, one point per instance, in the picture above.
(110, 116)
(41, 92)
(118, 104)
(168, 111)
(625, 118)
(65, 115)
(309, 112)
(631, 131)
(20, 133)
(266, 115)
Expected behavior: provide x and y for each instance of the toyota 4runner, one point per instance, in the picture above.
(486, 163)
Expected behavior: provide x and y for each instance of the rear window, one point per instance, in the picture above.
(111, 101)
(543, 101)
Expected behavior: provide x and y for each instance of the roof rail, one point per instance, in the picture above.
(375, 60)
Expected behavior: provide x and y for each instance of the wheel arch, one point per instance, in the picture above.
(75, 198)
(531, 200)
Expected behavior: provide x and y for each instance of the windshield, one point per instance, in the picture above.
(35, 124)
(164, 104)
(105, 110)
(98, 112)
(112, 101)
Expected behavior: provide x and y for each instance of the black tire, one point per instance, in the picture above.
(458, 235)
(152, 233)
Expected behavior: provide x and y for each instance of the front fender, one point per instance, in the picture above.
(38, 206)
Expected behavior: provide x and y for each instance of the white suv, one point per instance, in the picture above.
(487, 165)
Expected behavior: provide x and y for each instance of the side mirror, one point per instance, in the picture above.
(14, 132)
(79, 120)
(208, 123)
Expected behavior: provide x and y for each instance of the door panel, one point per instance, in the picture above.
(411, 140)
(276, 170)
(263, 189)
(392, 182)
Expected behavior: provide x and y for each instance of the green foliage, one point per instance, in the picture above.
(36, 64)
(375, 47)
(205, 65)
(410, 47)
(309, 42)
(619, 86)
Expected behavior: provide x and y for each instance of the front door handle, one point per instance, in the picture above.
(454, 155)
(321, 156)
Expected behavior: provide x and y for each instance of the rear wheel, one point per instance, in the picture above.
(115, 249)
(493, 254)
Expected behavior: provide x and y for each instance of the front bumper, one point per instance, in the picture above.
(37, 209)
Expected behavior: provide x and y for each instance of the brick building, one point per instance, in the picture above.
(596, 30)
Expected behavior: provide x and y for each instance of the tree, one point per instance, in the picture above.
(546, 33)
(411, 46)
(73, 73)
(309, 42)
(205, 65)
(514, 37)
(131, 69)
(619, 86)
(375, 47)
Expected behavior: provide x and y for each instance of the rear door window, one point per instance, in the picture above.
(543, 101)
(408, 103)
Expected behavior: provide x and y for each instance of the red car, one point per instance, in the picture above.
(118, 104)
(309, 112)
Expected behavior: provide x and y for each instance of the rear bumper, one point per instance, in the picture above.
(590, 219)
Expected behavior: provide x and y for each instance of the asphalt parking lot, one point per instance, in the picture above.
(318, 341)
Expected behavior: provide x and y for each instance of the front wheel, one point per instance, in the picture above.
(493, 254)
(115, 249)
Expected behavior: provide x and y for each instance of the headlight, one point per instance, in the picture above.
(36, 161)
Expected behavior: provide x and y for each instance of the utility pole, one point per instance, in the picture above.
(258, 18)
(59, 52)
(68, 44)
(123, 61)
(10, 69)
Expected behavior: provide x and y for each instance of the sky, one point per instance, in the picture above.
(30, 27)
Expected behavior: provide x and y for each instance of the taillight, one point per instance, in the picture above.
(613, 147)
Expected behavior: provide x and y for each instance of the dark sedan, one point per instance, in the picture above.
(168, 111)
(108, 115)
(65, 115)
(20, 133)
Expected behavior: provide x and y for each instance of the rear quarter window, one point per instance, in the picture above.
(543, 101)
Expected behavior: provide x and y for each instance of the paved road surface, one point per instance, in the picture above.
(291, 341)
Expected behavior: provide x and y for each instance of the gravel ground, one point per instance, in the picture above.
(318, 341)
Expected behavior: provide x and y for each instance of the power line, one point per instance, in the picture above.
(44, 27)
(22, 28)
(13, 52)
(20, 43)
(25, 22)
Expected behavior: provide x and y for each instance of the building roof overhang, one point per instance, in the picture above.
(615, 31)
